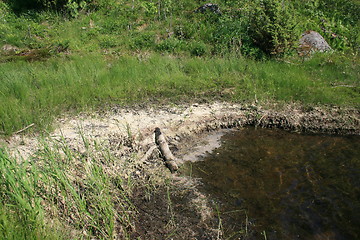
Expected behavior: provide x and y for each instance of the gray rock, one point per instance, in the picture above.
(312, 41)
(7, 48)
(209, 7)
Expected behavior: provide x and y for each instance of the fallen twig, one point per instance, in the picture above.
(148, 153)
(259, 122)
(350, 86)
(25, 128)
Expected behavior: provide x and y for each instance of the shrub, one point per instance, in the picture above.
(228, 35)
(184, 30)
(20, 5)
(108, 41)
(142, 40)
(171, 45)
(271, 27)
(71, 6)
(198, 49)
(346, 10)
(337, 20)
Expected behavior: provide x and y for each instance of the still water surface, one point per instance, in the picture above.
(272, 184)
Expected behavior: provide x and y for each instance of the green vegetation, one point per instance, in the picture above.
(36, 92)
(251, 28)
(62, 194)
(65, 56)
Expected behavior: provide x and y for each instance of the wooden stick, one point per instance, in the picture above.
(169, 158)
(148, 153)
(259, 122)
(21, 130)
(350, 86)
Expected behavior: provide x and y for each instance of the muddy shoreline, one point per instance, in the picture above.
(174, 205)
(135, 125)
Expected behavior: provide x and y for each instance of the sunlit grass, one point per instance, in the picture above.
(37, 92)
(60, 193)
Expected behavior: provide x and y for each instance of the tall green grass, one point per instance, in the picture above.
(62, 194)
(21, 213)
(38, 92)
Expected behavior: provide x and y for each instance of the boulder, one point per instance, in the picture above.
(209, 7)
(312, 41)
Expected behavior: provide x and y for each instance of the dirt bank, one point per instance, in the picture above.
(134, 127)
(173, 205)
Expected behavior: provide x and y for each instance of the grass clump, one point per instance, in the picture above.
(21, 212)
(62, 194)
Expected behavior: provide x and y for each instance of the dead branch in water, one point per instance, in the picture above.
(169, 158)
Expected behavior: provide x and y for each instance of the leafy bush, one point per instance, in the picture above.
(345, 10)
(72, 6)
(198, 49)
(108, 41)
(258, 28)
(184, 30)
(19, 5)
(171, 45)
(337, 20)
(142, 40)
(272, 26)
(229, 35)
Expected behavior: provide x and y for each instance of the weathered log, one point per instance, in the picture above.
(169, 158)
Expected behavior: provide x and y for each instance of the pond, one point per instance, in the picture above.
(273, 184)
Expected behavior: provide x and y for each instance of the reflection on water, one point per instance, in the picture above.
(271, 184)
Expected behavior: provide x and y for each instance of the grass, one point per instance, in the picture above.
(38, 92)
(21, 214)
(62, 194)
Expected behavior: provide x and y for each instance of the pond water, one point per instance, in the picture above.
(272, 184)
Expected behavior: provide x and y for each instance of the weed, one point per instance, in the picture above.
(79, 191)
(220, 227)
(170, 208)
